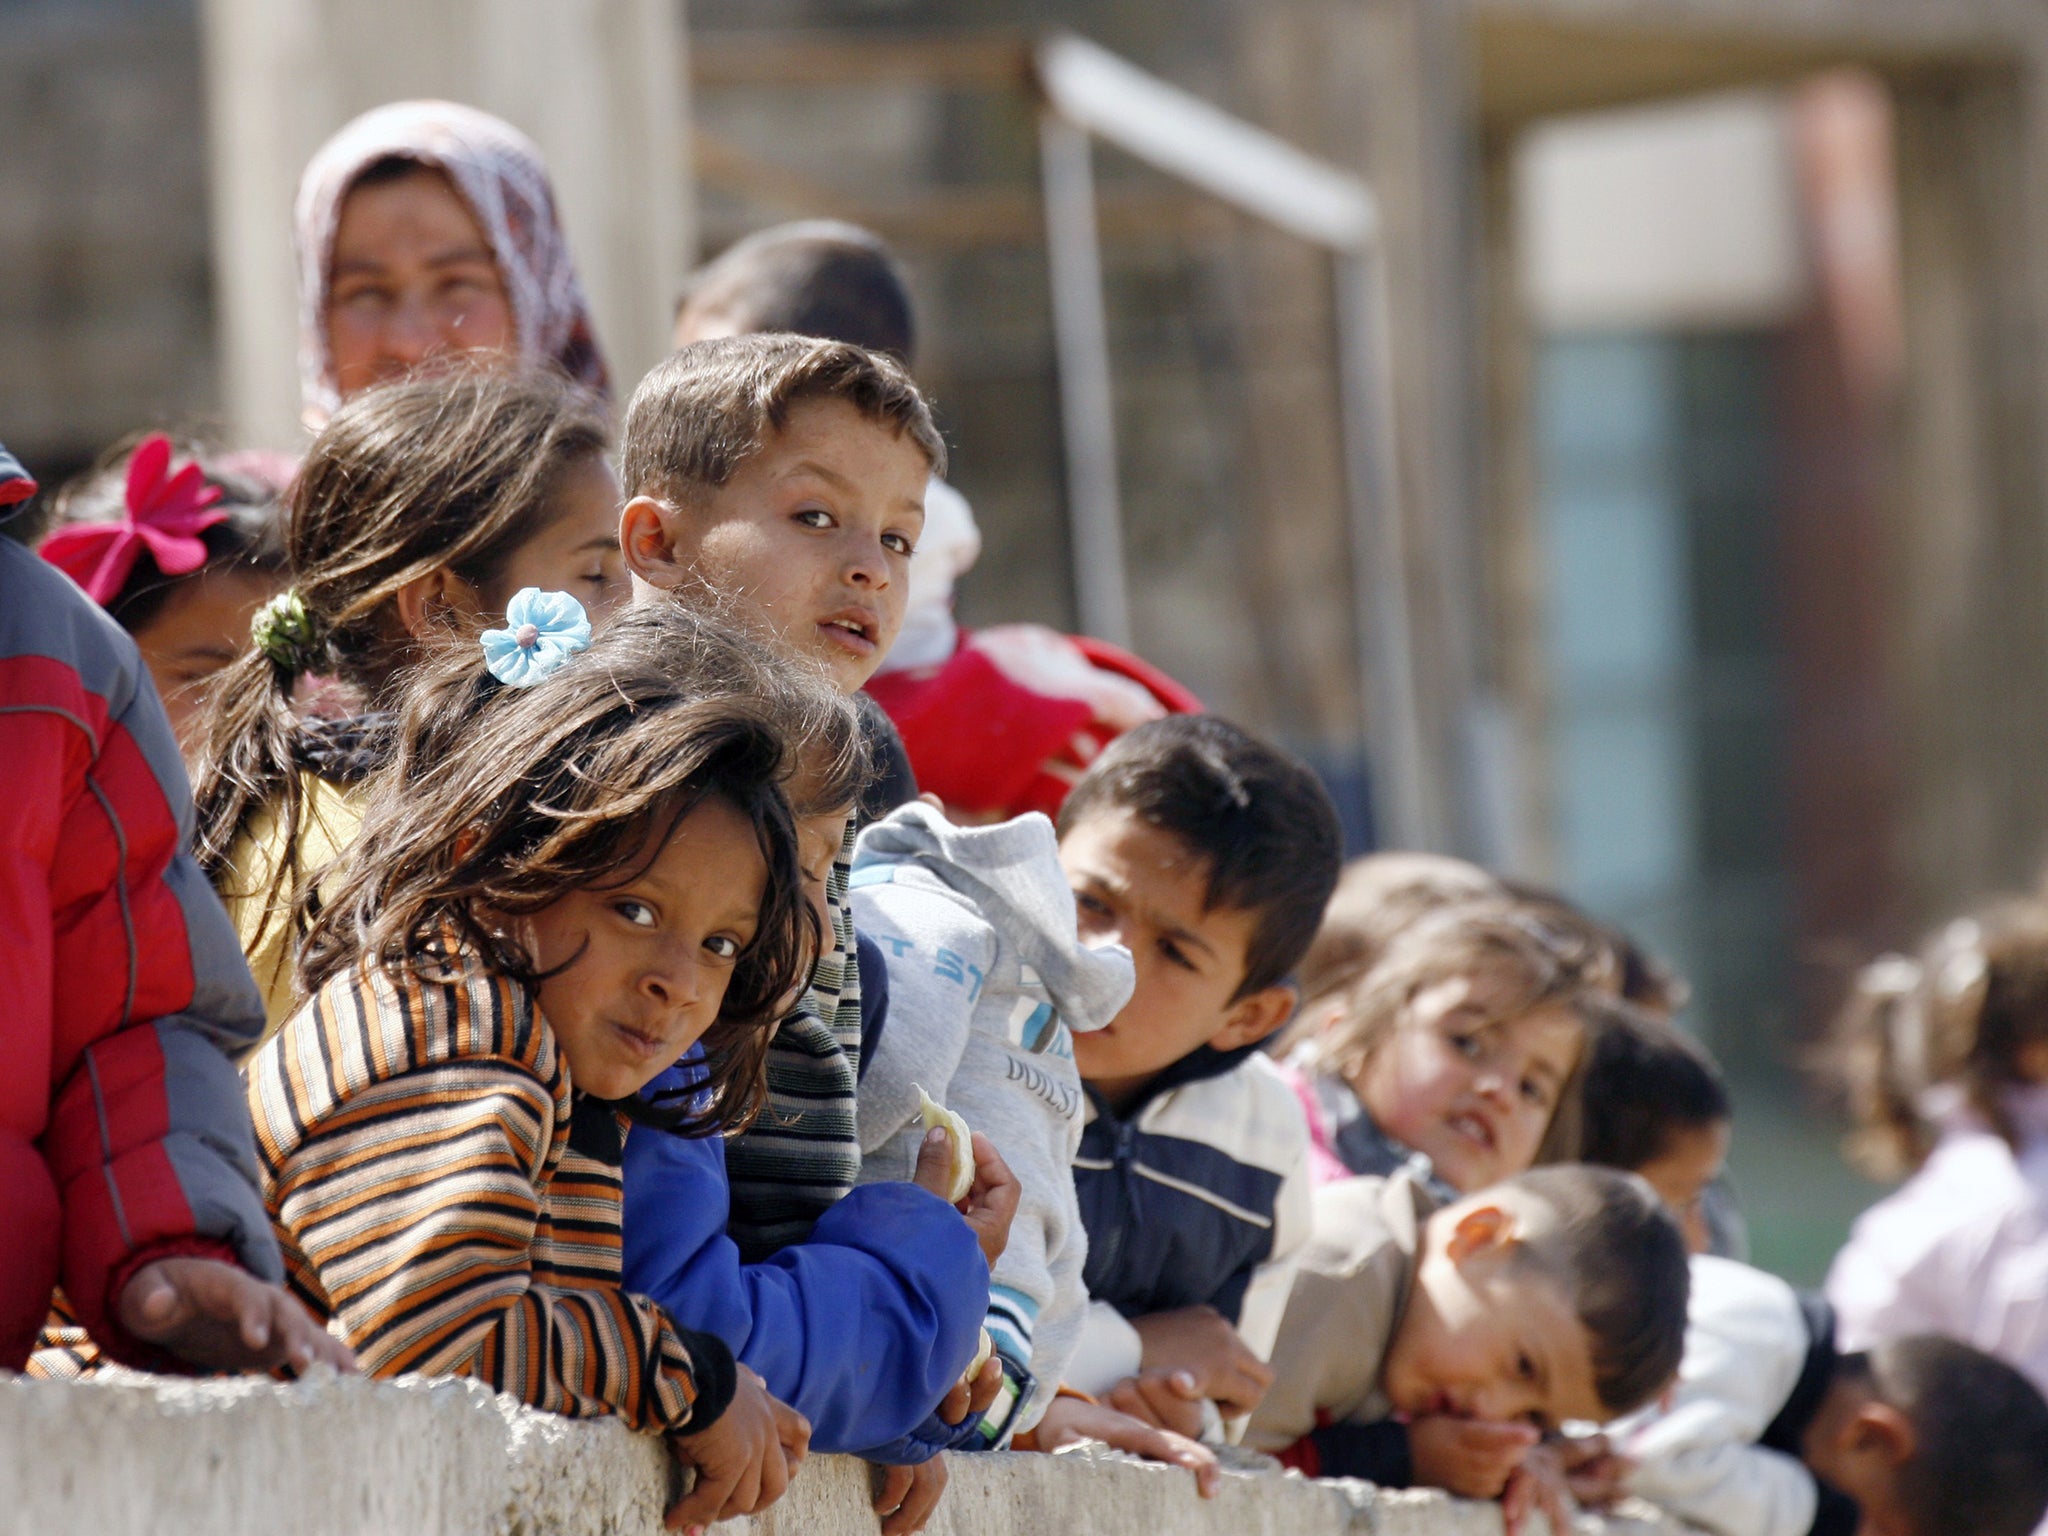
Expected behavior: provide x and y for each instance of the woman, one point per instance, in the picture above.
(427, 228)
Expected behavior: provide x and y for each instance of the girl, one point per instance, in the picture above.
(181, 556)
(578, 868)
(1459, 1053)
(422, 505)
(425, 228)
(1945, 1059)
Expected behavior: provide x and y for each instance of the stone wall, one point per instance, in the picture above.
(346, 1457)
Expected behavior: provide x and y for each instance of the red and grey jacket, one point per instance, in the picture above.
(124, 1135)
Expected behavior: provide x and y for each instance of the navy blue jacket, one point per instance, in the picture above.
(1198, 1195)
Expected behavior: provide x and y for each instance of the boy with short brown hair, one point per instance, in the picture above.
(1436, 1346)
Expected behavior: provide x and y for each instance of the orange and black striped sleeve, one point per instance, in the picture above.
(409, 1210)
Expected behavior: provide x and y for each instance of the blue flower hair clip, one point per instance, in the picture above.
(542, 630)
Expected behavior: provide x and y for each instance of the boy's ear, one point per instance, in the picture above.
(422, 600)
(649, 544)
(1255, 1016)
(1880, 1430)
(1483, 1229)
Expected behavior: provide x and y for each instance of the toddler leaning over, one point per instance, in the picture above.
(575, 868)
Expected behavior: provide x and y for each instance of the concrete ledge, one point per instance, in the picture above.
(345, 1457)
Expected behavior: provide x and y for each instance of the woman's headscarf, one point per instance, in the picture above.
(499, 173)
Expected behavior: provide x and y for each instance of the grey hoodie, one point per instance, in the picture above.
(987, 975)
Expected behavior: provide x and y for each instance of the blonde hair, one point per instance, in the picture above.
(1956, 1014)
(1547, 954)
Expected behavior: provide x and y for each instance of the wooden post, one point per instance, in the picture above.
(598, 84)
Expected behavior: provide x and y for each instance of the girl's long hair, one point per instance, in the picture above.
(1546, 953)
(454, 471)
(499, 800)
(1958, 1014)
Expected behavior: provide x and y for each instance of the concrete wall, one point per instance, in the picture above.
(335, 1457)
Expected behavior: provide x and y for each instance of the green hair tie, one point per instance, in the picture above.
(283, 631)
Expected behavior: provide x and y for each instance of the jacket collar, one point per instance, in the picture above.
(1199, 1065)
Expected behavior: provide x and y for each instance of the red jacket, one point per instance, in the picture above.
(1006, 724)
(124, 1135)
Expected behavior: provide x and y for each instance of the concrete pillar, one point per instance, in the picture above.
(598, 84)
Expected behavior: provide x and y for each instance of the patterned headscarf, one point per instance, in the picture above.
(498, 172)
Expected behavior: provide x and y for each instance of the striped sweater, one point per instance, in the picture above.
(803, 1154)
(415, 1141)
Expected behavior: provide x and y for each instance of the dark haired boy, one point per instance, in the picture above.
(1653, 1104)
(816, 277)
(1209, 854)
(1435, 1346)
(1772, 1432)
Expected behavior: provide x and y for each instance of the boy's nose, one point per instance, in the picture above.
(868, 566)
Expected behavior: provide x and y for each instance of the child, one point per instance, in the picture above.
(865, 1326)
(181, 560)
(576, 868)
(1459, 1053)
(422, 505)
(1654, 1105)
(988, 987)
(1434, 1345)
(126, 1169)
(1041, 704)
(1946, 1062)
(1209, 854)
(784, 478)
(1772, 1432)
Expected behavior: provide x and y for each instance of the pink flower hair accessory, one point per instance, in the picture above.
(166, 514)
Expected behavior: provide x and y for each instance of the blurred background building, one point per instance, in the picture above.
(1716, 338)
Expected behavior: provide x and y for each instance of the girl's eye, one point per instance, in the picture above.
(815, 517)
(638, 913)
(723, 945)
(897, 544)
(1467, 1046)
(1535, 1093)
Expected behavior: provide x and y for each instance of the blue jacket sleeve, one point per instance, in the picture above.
(862, 1329)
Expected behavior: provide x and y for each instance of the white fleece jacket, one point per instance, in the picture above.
(1697, 1458)
(987, 975)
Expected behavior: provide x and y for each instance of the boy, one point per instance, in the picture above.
(1653, 1104)
(127, 1166)
(1434, 1346)
(783, 478)
(1208, 854)
(1771, 1432)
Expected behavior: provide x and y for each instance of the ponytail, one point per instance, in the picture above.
(1880, 1040)
(1958, 1018)
(249, 759)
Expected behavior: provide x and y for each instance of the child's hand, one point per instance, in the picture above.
(1538, 1483)
(990, 1204)
(1594, 1471)
(1473, 1458)
(216, 1316)
(744, 1460)
(1165, 1399)
(1201, 1342)
(973, 1397)
(1070, 1420)
(909, 1495)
